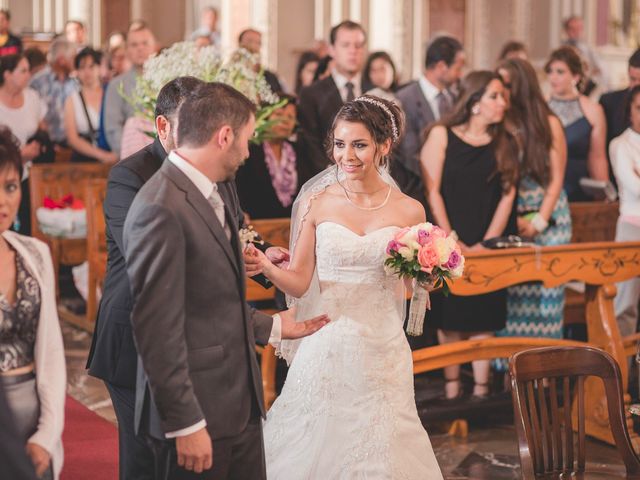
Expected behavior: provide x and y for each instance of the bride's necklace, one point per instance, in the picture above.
(369, 209)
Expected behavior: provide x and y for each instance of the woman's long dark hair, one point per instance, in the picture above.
(305, 57)
(366, 78)
(472, 88)
(529, 114)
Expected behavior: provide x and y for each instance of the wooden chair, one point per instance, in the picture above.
(276, 232)
(56, 180)
(95, 191)
(541, 390)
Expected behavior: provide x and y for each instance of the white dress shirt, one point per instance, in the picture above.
(341, 82)
(624, 152)
(430, 92)
(209, 189)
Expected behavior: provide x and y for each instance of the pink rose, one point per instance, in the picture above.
(424, 237)
(454, 260)
(393, 246)
(427, 258)
(437, 232)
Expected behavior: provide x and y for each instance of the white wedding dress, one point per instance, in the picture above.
(347, 409)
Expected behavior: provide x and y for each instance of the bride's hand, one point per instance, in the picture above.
(252, 263)
(292, 329)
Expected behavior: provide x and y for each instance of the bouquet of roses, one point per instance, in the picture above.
(427, 255)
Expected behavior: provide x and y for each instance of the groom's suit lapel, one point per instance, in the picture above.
(205, 211)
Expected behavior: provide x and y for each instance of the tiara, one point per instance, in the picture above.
(386, 110)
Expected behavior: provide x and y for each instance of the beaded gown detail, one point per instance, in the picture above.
(347, 409)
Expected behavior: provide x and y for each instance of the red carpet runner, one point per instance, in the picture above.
(90, 445)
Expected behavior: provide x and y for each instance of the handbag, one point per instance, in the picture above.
(89, 137)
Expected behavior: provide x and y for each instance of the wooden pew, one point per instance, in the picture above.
(276, 232)
(56, 180)
(590, 222)
(600, 265)
(95, 190)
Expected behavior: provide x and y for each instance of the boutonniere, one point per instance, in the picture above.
(248, 236)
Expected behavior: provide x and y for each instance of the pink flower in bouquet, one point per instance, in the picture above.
(454, 260)
(427, 258)
(394, 246)
(424, 237)
(438, 232)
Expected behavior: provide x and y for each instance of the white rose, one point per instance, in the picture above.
(442, 249)
(407, 253)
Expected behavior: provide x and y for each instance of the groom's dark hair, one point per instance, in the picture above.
(210, 107)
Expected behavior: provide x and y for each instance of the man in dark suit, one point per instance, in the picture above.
(194, 331)
(113, 356)
(251, 40)
(320, 101)
(614, 103)
(425, 101)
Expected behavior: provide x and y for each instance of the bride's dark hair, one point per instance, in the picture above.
(379, 116)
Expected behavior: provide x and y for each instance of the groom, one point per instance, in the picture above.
(194, 332)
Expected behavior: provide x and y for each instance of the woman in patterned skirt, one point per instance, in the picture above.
(542, 206)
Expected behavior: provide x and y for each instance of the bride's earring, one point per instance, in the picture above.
(475, 109)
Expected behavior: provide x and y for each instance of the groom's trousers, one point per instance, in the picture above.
(235, 458)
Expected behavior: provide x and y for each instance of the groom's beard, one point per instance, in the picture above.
(235, 160)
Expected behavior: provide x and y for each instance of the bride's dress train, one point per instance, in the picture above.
(347, 409)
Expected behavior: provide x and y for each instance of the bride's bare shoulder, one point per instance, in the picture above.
(410, 209)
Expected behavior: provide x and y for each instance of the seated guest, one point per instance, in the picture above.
(141, 44)
(271, 177)
(615, 103)
(513, 49)
(32, 365)
(37, 61)
(55, 85)
(75, 33)
(9, 43)
(625, 160)
(21, 110)
(469, 163)
(306, 70)
(82, 111)
(583, 121)
(534, 310)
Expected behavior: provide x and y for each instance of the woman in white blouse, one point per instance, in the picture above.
(624, 152)
(82, 110)
(32, 364)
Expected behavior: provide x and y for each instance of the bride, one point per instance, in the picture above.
(347, 409)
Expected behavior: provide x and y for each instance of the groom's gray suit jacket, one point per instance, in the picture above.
(194, 332)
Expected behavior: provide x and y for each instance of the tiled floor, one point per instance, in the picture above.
(488, 452)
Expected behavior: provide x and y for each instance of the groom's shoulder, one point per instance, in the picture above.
(158, 190)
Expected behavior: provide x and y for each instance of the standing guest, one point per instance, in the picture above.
(625, 159)
(14, 460)
(470, 170)
(573, 27)
(55, 85)
(32, 365)
(270, 179)
(424, 102)
(583, 121)
(615, 103)
(117, 61)
(141, 44)
(251, 40)
(116, 39)
(9, 43)
(21, 110)
(543, 210)
(320, 102)
(202, 41)
(82, 111)
(184, 259)
(513, 49)
(75, 32)
(113, 356)
(380, 72)
(208, 27)
(306, 70)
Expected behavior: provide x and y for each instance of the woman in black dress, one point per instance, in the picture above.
(270, 179)
(469, 164)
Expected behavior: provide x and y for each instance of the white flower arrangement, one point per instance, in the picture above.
(186, 59)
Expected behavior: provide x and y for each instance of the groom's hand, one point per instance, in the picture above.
(195, 452)
(292, 329)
